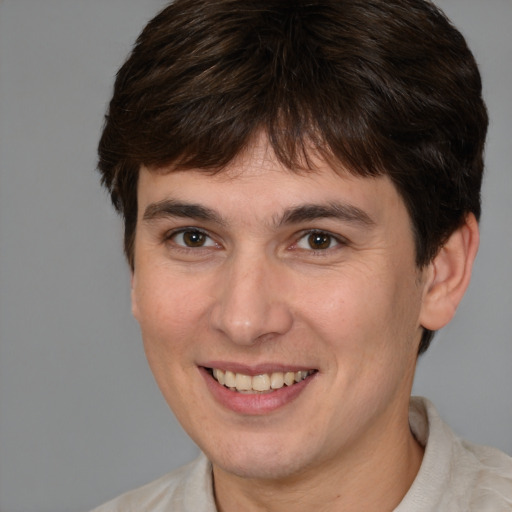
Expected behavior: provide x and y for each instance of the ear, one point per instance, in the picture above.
(448, 275)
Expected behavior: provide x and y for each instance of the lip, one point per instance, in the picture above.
(257, 403)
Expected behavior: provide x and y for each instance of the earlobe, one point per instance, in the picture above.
(448, 275)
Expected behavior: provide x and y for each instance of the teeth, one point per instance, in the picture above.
(276, 380)
(243, 382)
(300, 376)
(289, 378)
(229, 379)
(259, 383)
(219, 375)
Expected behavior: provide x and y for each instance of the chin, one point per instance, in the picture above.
(261, 470)
(262, 462)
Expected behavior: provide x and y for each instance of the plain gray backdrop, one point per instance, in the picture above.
(81, 419)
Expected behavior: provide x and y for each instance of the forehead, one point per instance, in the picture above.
(257, 183)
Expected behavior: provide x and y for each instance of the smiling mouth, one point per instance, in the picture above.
(263, 383)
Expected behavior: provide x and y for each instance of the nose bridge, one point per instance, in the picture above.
(250, 303)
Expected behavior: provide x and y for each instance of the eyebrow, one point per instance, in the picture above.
(172, 208)
(293, 215)
(335, 210)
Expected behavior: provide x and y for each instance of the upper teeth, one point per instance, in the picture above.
(263, 382)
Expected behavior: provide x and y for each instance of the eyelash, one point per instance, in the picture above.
(334, 241)
(172, 235)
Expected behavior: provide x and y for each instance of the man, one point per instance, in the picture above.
(300, 185)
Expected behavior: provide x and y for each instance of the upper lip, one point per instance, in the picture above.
(257, 369)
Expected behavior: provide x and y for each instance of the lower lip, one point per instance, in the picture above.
(254, 403)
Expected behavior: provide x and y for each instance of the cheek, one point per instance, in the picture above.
(364, 316)
(169, 311)
(341, 303)
(170, 321)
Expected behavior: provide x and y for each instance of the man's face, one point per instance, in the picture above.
(258, 273)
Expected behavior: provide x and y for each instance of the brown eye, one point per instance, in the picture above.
(192, 238)
(319, 241)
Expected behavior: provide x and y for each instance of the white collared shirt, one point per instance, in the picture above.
(455, 476)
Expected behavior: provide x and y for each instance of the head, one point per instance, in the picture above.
(300, 185)
(382, 88)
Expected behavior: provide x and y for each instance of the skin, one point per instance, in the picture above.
(256, 293)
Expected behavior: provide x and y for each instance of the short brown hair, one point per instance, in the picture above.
(385, 87)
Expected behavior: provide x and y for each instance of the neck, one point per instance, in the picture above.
(373, 476)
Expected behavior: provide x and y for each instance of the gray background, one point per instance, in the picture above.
(80, 417)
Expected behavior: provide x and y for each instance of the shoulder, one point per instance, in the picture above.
(455, 475)
(489, 474)
(188, 488)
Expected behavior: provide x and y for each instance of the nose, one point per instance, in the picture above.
(250, 301)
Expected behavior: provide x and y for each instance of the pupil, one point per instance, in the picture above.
(319, 241)
(193, 238)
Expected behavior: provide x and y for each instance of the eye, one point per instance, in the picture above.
(317, 241)
(192, 238)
